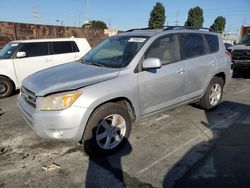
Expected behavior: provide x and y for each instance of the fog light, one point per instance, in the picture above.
(58, 133)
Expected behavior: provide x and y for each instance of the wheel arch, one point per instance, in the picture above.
(221, 75)
(124, 101)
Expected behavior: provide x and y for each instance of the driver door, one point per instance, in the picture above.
(160, 88)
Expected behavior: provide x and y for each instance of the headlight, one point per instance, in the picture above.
(59, 101)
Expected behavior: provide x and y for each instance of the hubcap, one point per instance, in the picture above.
(110, 131)
(3, 87)
(215, 94)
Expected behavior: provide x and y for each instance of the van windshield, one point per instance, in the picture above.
(8, 50)
(115, 52)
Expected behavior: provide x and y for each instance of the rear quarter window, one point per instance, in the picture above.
(192, 45)
(64, 47)
(213, 43)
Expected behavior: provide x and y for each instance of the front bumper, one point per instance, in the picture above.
(241, 63)
(60, 125)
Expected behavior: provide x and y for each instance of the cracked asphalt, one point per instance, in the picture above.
(163, 149)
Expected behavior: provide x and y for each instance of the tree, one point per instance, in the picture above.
(195, 17)
(219, 24)
(157, 16)
(95, 24)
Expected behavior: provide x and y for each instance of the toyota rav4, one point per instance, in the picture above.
(122, 80)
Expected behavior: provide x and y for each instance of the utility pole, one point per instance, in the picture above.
(109, 23)
(177, 18)
(87, 10)
(35, 14)
(70, 17)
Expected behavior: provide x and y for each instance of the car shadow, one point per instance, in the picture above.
(193, 169)
(106, 171)
(1, 113)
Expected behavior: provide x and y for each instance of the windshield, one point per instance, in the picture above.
(115, 52)
(245, 40)
(8, 50)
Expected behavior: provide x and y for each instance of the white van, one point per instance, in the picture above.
(19, 59)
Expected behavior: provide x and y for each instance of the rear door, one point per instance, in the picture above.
(64, 51)
(198, 63)
(37, 58)
(160, 88)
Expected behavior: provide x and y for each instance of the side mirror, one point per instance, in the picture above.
(151, 63)
(21, 54)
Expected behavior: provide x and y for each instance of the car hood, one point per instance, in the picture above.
(239, 47)
(68, 76)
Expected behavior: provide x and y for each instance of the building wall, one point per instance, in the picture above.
(244, 30)
(20, 31)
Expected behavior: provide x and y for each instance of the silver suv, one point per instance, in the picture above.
(125, 78)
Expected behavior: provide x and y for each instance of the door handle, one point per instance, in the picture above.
(48, 59)
(180, 71)
(212, 63)
(76, 56)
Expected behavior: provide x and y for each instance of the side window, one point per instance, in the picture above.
(64, 47)
(35, 49)
(213, 43)
(192, 45)
(164, 48)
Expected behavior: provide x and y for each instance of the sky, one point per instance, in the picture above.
(123, 14)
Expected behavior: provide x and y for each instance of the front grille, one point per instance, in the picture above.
(28, 96)
(241, 54)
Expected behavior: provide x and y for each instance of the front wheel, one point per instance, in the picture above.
(213, 94)
(6, 87)
(107, 130)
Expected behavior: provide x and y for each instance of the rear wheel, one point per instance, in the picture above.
(107, 130)
(6, 87)
(213, 94)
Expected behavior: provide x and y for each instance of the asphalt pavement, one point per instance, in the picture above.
(182, 147)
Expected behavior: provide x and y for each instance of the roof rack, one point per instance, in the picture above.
(186, 27)
(173, 28)
(135, 29)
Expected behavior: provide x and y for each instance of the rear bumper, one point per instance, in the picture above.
(59, 125)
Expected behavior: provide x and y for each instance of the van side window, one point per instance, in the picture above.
(164, 48)
(64, 47)
(74, 47)
(213, 42)
(35, 49)
(192, 45)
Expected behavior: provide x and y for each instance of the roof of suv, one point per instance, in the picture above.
(150, 32)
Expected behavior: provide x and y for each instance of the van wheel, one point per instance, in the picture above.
(107, 130)
(213, 94)
(6, 87)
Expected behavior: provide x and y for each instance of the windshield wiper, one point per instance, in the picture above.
(97, 64)
(94, 63)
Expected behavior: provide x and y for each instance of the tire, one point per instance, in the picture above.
(6, 87)
(213, 94)
(107, 130)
